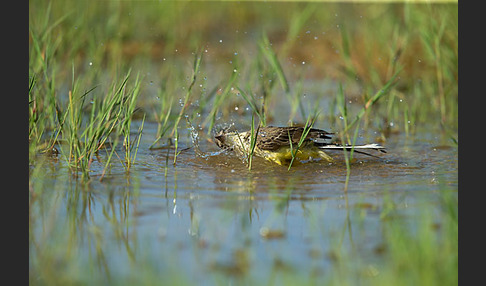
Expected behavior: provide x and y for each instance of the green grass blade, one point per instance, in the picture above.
(383, 91)
(308, 126)
(218, 101)
(266, 49)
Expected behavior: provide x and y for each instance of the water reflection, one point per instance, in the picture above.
(210, 213)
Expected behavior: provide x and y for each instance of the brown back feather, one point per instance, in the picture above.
(271, 138)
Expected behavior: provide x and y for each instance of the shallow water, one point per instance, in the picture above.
(208, 218)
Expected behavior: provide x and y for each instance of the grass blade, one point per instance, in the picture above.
(266, 49)
(384, 90)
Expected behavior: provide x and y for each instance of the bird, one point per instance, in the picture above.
(282, 145)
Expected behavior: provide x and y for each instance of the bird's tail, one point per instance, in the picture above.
(357, 148)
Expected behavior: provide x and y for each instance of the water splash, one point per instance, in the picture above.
(194, 134)
(194, 137)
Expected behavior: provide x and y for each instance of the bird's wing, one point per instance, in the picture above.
(272, 138)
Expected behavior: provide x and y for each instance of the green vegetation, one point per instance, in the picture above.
(307, 127)
(375, 58)
(100, 73)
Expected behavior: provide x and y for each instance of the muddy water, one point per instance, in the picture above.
(208, 217)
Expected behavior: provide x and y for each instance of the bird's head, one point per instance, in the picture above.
(220, 139)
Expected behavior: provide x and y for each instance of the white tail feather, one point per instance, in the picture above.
(367, 146)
